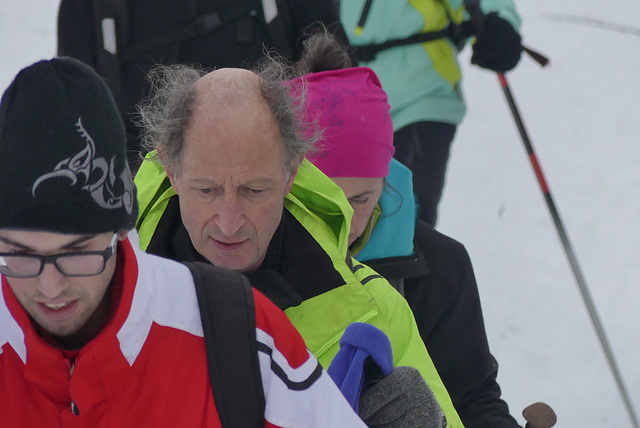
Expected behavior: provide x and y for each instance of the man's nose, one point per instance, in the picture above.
(230, 216)
(51, 282)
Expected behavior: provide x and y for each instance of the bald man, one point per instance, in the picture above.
(227, 183)
(232, 191)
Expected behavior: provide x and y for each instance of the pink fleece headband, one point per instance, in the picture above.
(353, 112)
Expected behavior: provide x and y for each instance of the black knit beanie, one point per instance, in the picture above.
(63, 166)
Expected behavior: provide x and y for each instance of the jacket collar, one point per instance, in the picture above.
(18, 329)
(322, 214)
(394, 231)
(312, 193)
(154, 291)
(45, 364)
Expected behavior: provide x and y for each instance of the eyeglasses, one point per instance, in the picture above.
(83, 263)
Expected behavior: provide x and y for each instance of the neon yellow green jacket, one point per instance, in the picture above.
(321, 207)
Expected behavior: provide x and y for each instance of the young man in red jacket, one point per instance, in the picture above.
(94, 332)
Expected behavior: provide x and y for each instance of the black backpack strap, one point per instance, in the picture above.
(402, 267)
(202, 25)
(369, 52)
(227, 310)
(279, 27)
(111, 26)
(457, 33)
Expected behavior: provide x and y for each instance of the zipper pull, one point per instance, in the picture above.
(74, 408)
(363, 17)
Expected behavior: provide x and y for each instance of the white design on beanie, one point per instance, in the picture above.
(85, 164)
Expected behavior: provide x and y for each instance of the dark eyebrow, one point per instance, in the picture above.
(360, 195)
(79, 240)
(201, 180)
(71, 244)
(259, 182)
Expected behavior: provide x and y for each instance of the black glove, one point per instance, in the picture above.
(498, 45)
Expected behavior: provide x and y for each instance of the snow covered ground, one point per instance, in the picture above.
(583, 119)
(582, 116)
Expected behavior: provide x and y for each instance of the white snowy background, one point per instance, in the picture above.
(583, 118)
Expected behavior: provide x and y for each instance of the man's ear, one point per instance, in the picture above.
(168, 169)
(293, 171)
(171, 175)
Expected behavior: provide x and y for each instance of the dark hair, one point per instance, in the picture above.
(392, 190)
(322, 52)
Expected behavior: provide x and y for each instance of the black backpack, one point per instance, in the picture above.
(113, 26)
(227, 310)
(124, 39)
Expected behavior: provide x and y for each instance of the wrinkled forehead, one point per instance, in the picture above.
(232, 125)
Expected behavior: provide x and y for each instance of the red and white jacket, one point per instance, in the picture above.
(148, 367)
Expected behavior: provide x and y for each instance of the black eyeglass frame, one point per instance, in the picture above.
(53, 259)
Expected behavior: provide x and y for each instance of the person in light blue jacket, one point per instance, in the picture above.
(423, 78)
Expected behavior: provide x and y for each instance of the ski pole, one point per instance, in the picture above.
(577, 273)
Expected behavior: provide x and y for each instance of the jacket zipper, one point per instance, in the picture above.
(74, 408)
(363, 17)
(337, 340)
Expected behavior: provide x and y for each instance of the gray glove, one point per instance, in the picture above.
(401, 400)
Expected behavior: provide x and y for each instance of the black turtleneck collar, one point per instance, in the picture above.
(295, 267)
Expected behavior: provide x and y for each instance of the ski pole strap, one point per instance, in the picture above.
(536, 56)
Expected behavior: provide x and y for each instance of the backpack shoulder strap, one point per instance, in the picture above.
(111, 24)
(227, 310)
(279, 27)
(199, 26)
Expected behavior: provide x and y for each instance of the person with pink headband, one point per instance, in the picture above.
(432, 270)
(352, 111)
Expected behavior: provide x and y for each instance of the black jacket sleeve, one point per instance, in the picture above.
(447, 308)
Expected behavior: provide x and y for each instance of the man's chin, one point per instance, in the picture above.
(235, 263)
(59, 331)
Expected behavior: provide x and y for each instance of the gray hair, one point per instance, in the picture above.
(298, 136)
(165, 115)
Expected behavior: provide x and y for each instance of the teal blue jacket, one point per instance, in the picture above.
(393, 234)
(423, 80)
